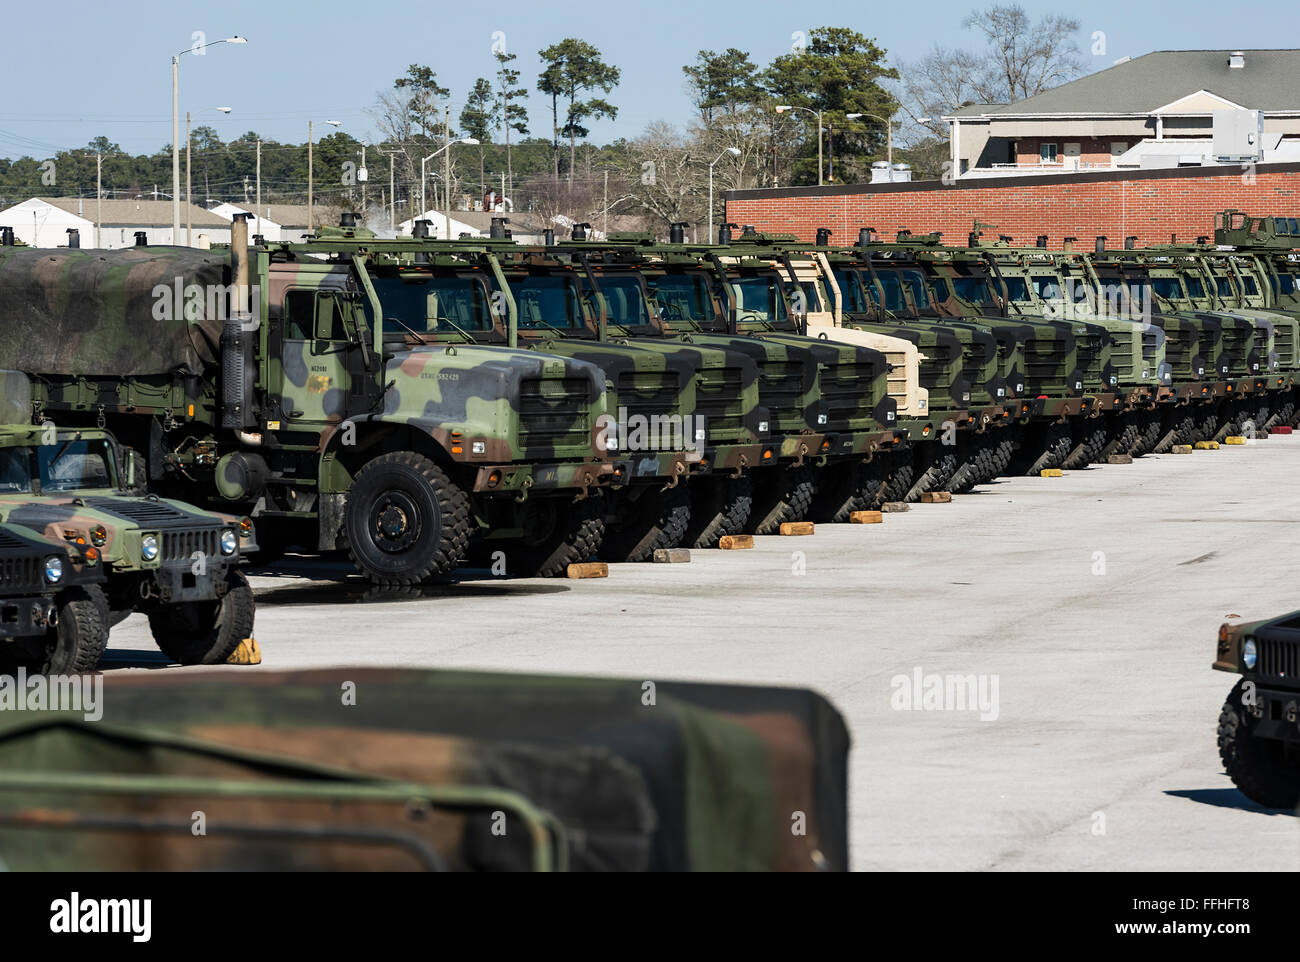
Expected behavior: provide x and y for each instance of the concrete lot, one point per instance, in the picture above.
(1102, 755)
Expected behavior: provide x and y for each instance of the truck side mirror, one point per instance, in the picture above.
(131, 472)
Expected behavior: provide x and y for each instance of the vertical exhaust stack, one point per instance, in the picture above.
(1100, 244)
(866, 235)
(237, 336)
(749, 230)
(420, 228)
(1041, 241)
(74, 238)
(497, 229)
(823, 236)
(548, 237)
(724, 233)
(348, 219)
(141, 238)
(1067, 243)
(1130, 242)
(1203, 239)
(6, 237)
(677, 232)
(579, 232)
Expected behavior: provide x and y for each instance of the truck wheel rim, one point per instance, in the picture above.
(395, 521)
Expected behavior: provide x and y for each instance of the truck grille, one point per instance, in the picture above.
(942, 366)
(1045, 360)
(719, 396)
(648, 393)
(1121, 353)
(1236, 345)
(20, 569)
(182, 545)
(781, 390)
(1284, 344)
(1092, 355)
(847, 391)
(554, 413)
(1279, 659)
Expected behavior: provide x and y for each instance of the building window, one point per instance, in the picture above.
(1118, 147)
(1047, 153)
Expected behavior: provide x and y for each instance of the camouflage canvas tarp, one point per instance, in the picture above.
(132, 312)
(15, 398)
(620, 776)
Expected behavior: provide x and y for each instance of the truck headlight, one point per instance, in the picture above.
(54, 569)
(1249, 653)
(149, 547)
(229, 541)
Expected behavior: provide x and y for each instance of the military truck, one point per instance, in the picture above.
(1259, 727)
(267, 382)
(828, 405)
(53, 613)
(165, 559)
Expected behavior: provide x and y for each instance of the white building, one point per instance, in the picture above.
(110, 223)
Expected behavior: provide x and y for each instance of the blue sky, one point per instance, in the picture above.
(104, 68)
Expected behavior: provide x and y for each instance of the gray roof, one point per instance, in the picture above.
(135, 213)
(1139, 86)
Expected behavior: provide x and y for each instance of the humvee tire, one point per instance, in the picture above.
(779, 496)
(206, 632)
(1257, 766)
(656, 519)
(405, 520)
(558, 534)
(75, 645)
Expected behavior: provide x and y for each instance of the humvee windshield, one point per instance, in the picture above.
(64, 466)
(1195, 288)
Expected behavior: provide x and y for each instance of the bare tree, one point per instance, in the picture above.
(1020, 58)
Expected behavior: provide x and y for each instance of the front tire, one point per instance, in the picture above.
(206, 632)
(405, 520)
(1259, 767)
(655, 519)
(557, 534)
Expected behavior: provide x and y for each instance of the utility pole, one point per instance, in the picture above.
(392, 194)
(189, 198)
(446, 166)
(176, 149)
(99, 198)
(257, 213)
(309, 183)
(604, 203)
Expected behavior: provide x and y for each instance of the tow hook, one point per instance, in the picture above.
(679, 469)
(803, 449)
(740, 468)
(522, 496)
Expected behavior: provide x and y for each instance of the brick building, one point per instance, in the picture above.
(1151, 204)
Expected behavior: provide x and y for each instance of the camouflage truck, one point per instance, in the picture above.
(1230, 344)
(828, 405)
(53, 614)
(606, 317)
(672, 480)
(165, 559)
(1259, 727)
(430, 770)
(267, 382)
(1063, 286)
(968, 400)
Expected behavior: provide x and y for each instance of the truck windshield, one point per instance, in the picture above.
(892, 290)
(1017, 289)
(758, 298)
(855, 297)
(1224, 286)
(69, 465)
(1285, 283)
(916, 284)
(1194, 287)
(973, 290)
(1167, 287)
(547, 300)
(683, 297)
(625, 300)
(15, 470)
(436, 304)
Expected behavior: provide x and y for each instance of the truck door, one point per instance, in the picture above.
(318, 372)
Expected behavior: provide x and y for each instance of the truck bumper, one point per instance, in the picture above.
(25, 617)
(515, 478)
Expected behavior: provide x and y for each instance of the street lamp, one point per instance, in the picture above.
(734, 152)
(176, 126)
(446, 176)
(782, 108)
(310, 181)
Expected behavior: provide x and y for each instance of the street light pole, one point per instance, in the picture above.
(734, 152)
(782, 108)
(446, 175)
(176, 126)
(310, 173)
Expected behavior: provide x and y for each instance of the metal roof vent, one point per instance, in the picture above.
(1237, 59)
